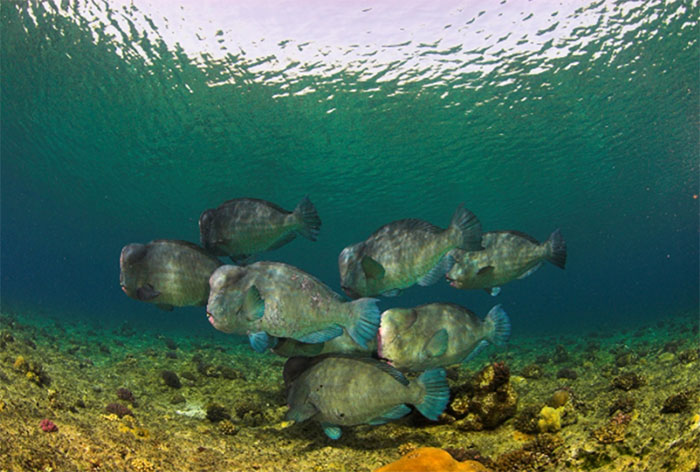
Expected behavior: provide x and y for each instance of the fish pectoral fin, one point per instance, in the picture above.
(331, 430)
(531, 271)
(372, 268)
(394, 414)
(323, 335)
(485, 270)
(437, 344)
(285, 239)
(260, 341)
(146, 293)
(493, 291)
(437, 272)
(164, 306)
(253, 304)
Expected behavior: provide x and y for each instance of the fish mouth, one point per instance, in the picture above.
(210, 317)
(451, 281)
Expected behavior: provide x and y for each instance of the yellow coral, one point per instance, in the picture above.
(2, 405)
(20, 363)
(431, 459)
(550, 419)
(142, 465)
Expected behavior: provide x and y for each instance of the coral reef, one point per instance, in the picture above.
(628, 381)
(119, 410)
(485, 401)
(171, 379)
(602, 428)
(677, 403)
(614, 430)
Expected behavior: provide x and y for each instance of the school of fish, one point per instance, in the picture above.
(346, 360)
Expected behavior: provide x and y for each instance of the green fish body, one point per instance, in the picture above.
(507, 255)
(242, 227)
(341, 391)
(405, 252)
(437, 335)
(269, 300)
(167, 273)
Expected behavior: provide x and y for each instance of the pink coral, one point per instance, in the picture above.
(48, 426)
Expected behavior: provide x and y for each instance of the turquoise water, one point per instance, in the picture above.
(123, 123)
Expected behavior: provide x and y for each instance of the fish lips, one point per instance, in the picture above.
(453, 283)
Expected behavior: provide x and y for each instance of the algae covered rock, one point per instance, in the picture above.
(486, 401)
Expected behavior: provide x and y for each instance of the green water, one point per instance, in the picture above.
(116, 128)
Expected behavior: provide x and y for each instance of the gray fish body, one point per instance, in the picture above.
(436, 335)
(344, 391)
(403, 253)
(245, 226)
(167, 273)
(507, 255)
(296, 304)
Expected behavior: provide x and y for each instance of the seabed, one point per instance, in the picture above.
(606, 400)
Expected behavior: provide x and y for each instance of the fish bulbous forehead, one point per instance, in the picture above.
(226, 275)
(206, 218)
(132, 253)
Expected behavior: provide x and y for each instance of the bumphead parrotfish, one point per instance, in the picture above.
(437, 335)
(343, 391)
(269, 300)
(242, 227)
(167, 273)
(507, 255)
(405, 252)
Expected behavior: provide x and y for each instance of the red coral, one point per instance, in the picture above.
(48, 426)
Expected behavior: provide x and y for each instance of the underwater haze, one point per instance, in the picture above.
(122, 121)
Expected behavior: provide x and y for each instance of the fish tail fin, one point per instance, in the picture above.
(364, 320)
(309, 221)
(556, 246)
(468, 227)
(497, 326)
(436, 393)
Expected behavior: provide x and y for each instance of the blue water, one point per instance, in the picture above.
(118, 129)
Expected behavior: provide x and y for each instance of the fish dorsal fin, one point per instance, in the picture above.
(253, 304)
(518, 234)
(437, 272)
(437, 344)
(485, 270)
(394, 372)
(372, 268)
(414, 224)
